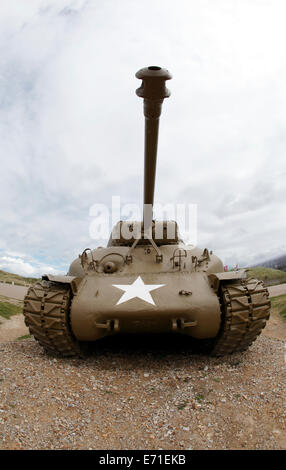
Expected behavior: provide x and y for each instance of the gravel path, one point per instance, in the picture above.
(127, 396)
(12, 291)
(277, 290)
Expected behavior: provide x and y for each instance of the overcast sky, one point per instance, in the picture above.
(71, 126)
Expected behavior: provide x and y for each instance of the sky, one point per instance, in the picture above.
(71, 125)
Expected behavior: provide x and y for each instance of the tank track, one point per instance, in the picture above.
(46, 311)
(245, 310)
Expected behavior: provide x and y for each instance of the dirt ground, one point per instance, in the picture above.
(143, 394)
(12, 329)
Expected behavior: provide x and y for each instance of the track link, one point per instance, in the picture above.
(46, 311)
(245, 310)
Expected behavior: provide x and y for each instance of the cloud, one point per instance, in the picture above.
(71, 126)
(28, 268)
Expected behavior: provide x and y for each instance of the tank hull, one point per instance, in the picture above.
(244, 304)
(128, 303)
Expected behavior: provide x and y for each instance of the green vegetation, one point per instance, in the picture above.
(23, 337)
(279, 304)
(7, 309)
(216, 379)
(199, 398)
(18, 280)
(270, 276)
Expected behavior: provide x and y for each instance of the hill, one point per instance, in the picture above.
(269, 276)
(276, 263)
(18, 280)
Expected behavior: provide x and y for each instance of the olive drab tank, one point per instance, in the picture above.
(147, 279)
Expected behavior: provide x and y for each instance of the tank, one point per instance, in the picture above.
(147, 280)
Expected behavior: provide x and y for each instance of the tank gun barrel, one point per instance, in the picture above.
(153, 90)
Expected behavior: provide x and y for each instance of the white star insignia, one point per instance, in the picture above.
(137, 289)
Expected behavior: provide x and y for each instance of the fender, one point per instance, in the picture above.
(73, 281)
(217, 278)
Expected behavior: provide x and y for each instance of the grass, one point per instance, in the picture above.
(18, 280)
(279, 304)
(268, 275)
(7, 310)
(23, 337)
(200, 398)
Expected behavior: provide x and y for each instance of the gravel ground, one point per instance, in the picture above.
(129, 396)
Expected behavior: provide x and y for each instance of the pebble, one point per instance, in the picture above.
(91, 404)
